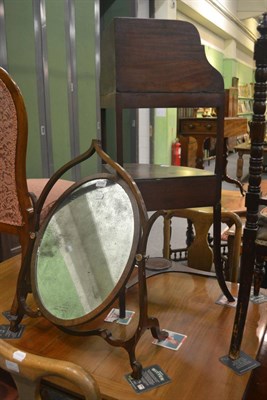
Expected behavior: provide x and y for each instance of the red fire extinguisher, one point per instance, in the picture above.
(176, 153)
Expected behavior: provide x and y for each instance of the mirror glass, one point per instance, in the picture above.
(84, 248)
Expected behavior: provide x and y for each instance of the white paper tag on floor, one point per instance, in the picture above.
(173, 341)
(114, 316)
(261, 298)
(222, 300)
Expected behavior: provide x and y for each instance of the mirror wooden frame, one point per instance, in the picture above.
(128, 268)
(79, 327)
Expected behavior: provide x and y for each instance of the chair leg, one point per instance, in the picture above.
(167, 231)
(189, 233)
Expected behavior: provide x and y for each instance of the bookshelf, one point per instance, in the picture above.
(245, 105)
(239, 100)
(238, 103)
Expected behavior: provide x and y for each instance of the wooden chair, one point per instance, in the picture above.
(16, 202)
(199, 250)
(28, 369)
(254, 250)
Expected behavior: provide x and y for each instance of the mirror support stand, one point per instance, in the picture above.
(99, 187)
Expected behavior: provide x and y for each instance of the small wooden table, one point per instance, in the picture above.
(183, 303)
(203, 128)
(241, 149)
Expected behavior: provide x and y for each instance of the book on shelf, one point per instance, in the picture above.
(246, 90)
(187, 112)
(244, 106)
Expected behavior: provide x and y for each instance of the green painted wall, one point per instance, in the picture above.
(86, 76)
(115, 8)
(215, 58)
(21, 63)
(245, 74)
(234, 68)
(164, 134)
(110, 9)
(229, 67)
(56, 47)
(229, 71)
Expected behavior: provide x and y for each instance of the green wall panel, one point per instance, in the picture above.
(234, 68)
(164, 134)
(229, 71)
(160, 135)
(245, 74)
(57, 67)
(115, 8)
(21, 65)
(215, 58)
(86, 75)
(108, 10)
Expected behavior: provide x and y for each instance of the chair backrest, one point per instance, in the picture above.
(28, 369)
(14, 198)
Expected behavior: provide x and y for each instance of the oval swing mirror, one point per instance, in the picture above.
(85, 250)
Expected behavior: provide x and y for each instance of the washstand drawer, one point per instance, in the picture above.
(198, 125)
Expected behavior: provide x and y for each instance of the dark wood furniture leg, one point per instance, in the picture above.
(253, 195)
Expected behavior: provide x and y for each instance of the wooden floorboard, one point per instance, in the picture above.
(183, 303)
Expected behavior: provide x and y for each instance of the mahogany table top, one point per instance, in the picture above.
(183, 303)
